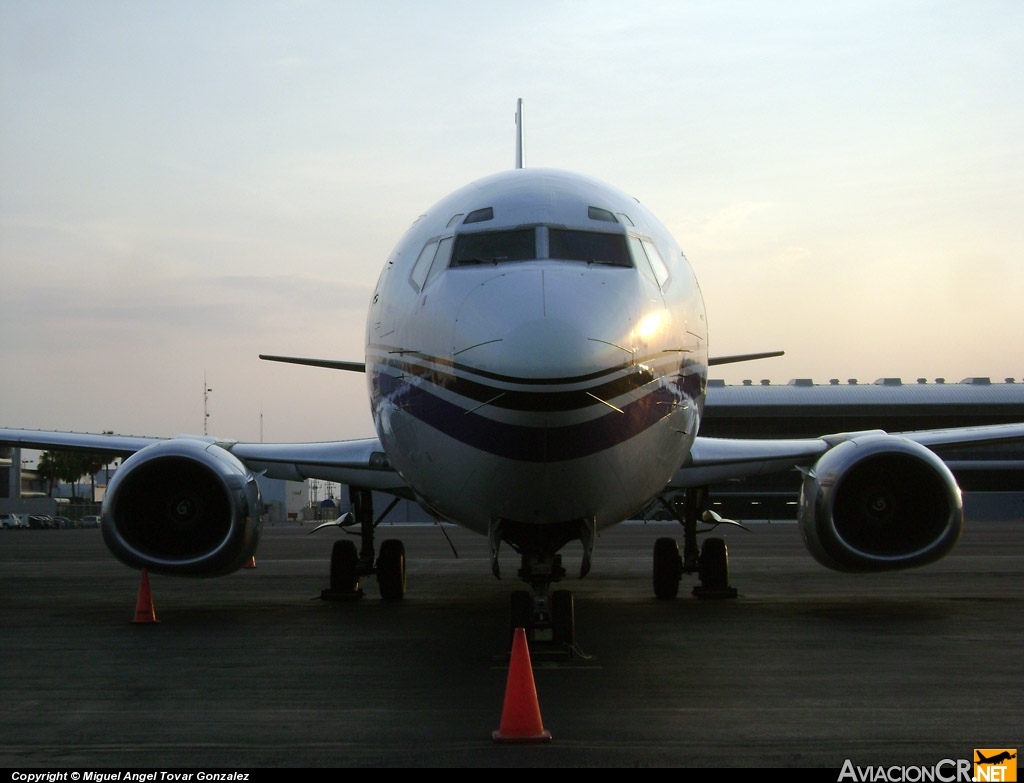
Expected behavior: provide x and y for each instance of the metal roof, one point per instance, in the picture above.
(801, 408)
(885, 391)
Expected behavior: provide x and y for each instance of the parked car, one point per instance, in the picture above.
(12, 522)
(40, 521)
(63, 523)
(90, 521)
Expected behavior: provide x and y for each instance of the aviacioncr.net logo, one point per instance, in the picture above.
(945, 771)
(995, 764)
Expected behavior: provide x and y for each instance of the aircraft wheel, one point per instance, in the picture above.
(344, 567)
(391, 570)
(714, 564)
(521, 610)
(668, 568)
(563, 618)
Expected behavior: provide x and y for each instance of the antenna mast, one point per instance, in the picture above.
(206, 404)
(519, 134)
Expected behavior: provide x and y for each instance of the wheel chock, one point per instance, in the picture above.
(520, 716)
(144, 610)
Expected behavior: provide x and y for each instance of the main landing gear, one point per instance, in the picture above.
(710, 562)
(348, 564)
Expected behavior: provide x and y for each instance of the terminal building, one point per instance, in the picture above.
(992, 477)
(804, 409)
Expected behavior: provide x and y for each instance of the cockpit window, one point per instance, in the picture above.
(536, 242)
(591, 246)
(480, 215)
(596, 213)
(422, 265)
(660, 270)
(444, 251)
(495, 247)
(649, 261)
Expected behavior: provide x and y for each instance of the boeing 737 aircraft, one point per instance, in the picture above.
(536, 361)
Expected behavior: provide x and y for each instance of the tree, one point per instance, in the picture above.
(70, 467)
(94, 463)
(49, 470)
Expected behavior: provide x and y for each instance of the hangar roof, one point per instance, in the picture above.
(802, 408)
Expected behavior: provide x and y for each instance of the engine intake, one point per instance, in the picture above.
(183, 507)
(880, 502)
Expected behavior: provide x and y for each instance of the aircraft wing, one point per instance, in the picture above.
(119, 445)
(360, 463)
(712, 460)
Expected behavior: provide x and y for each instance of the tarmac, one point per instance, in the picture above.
(806, 668)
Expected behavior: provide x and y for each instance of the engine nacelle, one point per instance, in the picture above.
(183, 507)
(878, 503)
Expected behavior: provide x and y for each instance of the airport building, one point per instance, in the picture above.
(992, 478)
(804, 409)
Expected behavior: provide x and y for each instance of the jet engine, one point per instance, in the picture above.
(184, 507)
(878, 502)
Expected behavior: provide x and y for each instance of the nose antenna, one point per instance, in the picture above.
(519, 133)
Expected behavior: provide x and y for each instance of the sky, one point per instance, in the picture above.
(185, 185)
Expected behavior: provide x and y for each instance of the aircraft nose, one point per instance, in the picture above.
(545, 323)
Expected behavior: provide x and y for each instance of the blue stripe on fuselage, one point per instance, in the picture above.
(539, 443)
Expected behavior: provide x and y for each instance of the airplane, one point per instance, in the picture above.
(996, 759)
(536, 361)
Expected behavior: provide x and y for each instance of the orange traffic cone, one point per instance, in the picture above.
(144, 611)
(251, 563)
(520, 717)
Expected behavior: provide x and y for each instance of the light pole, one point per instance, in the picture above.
(206, 404)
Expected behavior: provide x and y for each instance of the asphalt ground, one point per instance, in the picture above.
(805, 668)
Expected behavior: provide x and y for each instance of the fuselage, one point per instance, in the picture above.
(536, 353)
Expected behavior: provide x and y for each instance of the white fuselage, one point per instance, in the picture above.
(536, 352)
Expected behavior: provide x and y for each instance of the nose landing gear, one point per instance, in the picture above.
(548, 616)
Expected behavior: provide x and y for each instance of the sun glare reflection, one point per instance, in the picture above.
(650, 325)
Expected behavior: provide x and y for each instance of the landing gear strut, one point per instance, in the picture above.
(348, 565)
(710, 562)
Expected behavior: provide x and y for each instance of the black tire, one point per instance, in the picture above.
(344, 567)
(668, 568)
(563, 618)
(714, 564)
(391, 570)
(520, 610)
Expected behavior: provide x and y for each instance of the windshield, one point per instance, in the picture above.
(493, 247)
(591, 246)
(521, 244)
